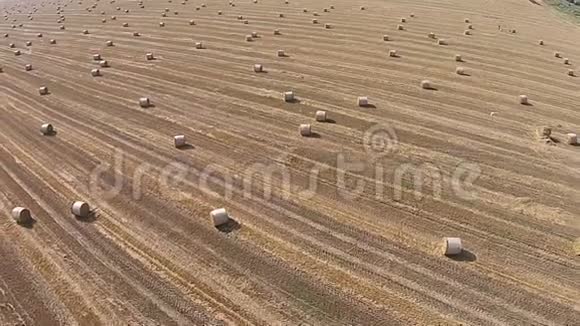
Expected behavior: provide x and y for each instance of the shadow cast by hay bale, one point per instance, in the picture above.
(312, 135)
(28, 224)
(231, 226)
(186, 147)
(91, 218)
(464, 256)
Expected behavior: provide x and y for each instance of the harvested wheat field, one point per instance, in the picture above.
(378, 162)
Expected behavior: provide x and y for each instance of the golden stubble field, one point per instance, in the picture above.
(343, 227)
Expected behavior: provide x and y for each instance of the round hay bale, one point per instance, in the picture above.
(246, 22)
(442, 42)
(179, 141)
(541, 42)
(305, 130)
(161, 24)
(103, 20)
(325, 10)
(432, 35)
(52, 41)
(400, 27)
(466, 32)
(403, 20)
(315, 21)
(524, 99)
(363, 8)
(288, 96)
(258, 68)
(103, 63)
(281, 15)
(80, 209)
(109, 43)
(466, 20)
(125, 24)
(426, 84)
(470, 26)
(199, 45)
(219, 13)
(46, 129)
(85, 32)
(571, 139)
(11, 45)
(43, 90)
(304, 10)
(280, 53)
(386, 38)
(136, 34)
(458, 58)
(113, 17)
(28, 43)
(28, 67)
(21, 215)
(95, 72)
(255, 34)
(557, 54)
(331, 7)
(393, 53)
(39, 35)
(576, 247)
(460, 71)
(17, 52)
(219, 217)
(96, 57)
(144, 102)
(277, 32)
(150, 56)
(192, 22)
(163, 14)
(327, 26)
(320, 116)
(571, 72)
(249, 38)
(566, 61)
(362, 101)
(453, 246)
